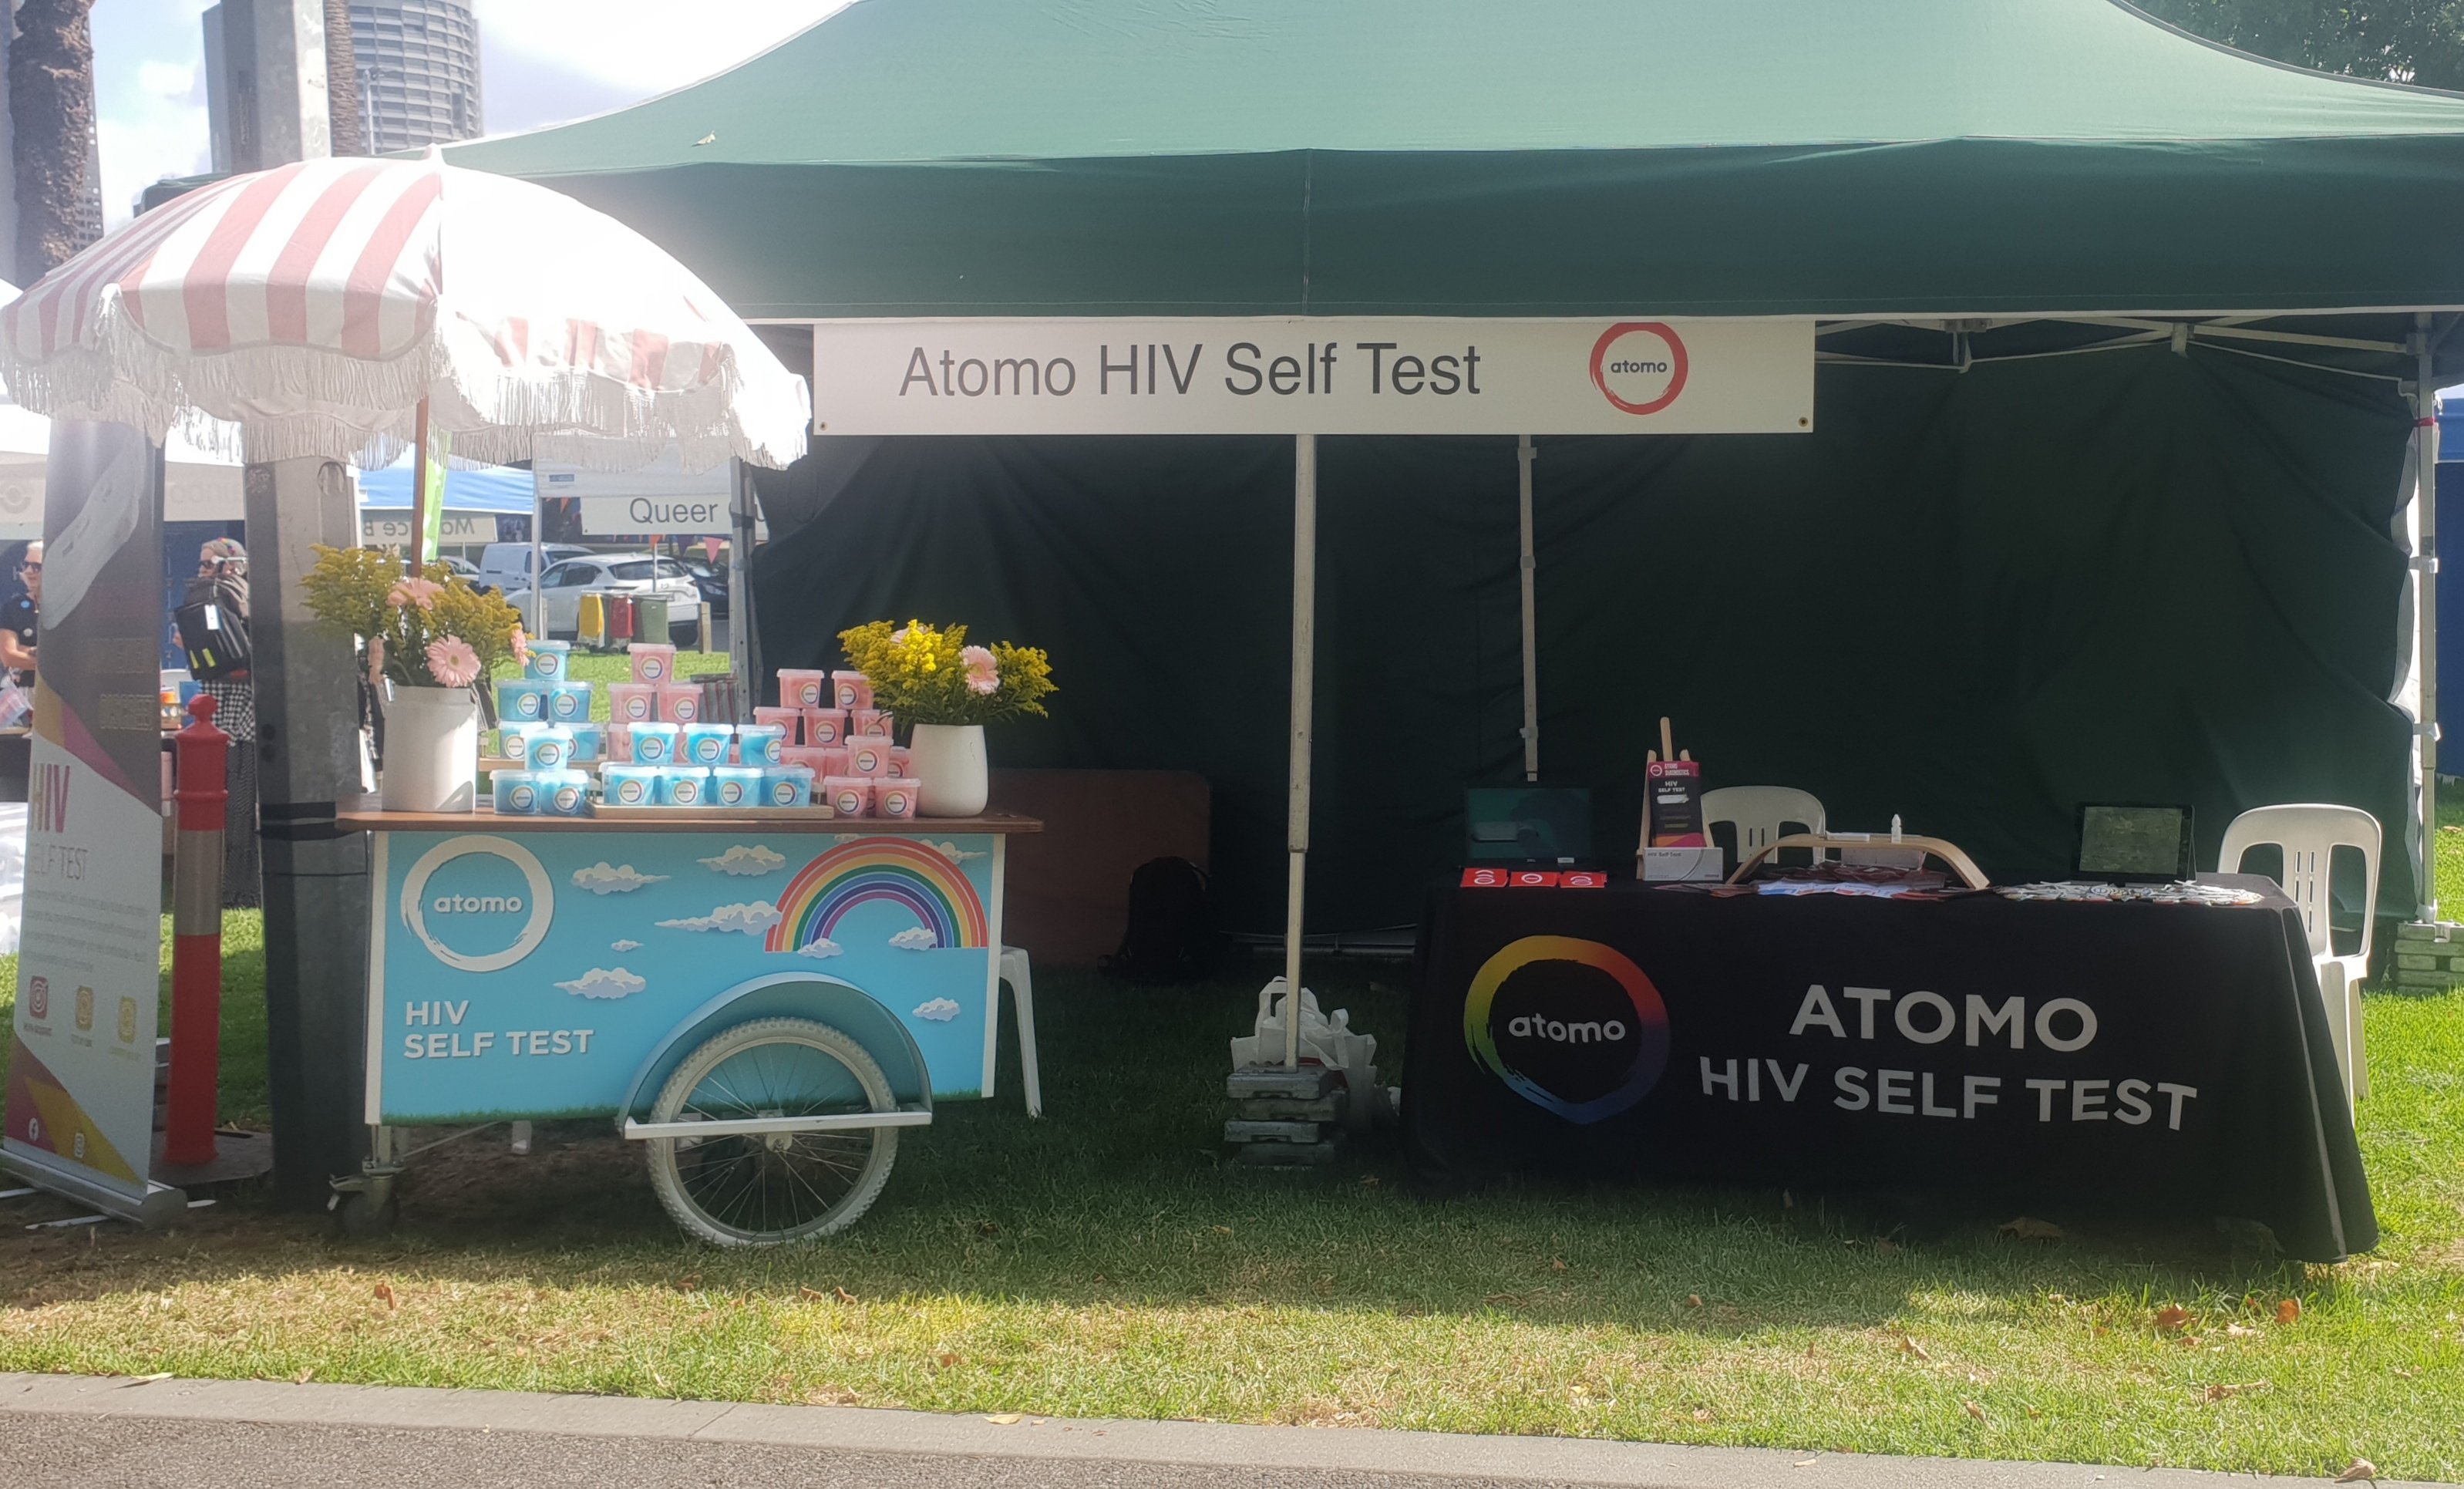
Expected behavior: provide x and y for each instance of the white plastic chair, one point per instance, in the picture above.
(2309, 835)
(1014, 972)
(1760, 814)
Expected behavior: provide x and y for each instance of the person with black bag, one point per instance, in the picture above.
(213, 630)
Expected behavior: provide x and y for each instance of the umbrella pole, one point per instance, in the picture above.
(418, 489)
(1304, 686)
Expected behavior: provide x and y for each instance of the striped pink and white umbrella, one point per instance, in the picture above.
(315, 306)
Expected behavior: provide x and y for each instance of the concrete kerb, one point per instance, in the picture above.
(1556, 1461)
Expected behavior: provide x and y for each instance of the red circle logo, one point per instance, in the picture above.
(1640, 365)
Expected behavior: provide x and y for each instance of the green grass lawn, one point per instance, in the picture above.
(1105, 1260)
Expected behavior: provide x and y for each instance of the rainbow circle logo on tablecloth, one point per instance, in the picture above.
(896, 869)
(1584, 1062)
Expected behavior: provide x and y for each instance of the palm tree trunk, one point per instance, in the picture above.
(341, 81)
(51, 112)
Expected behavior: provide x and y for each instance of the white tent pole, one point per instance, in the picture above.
(1304, 685)
(2425, 594)
(1523, 456)
(538, 595)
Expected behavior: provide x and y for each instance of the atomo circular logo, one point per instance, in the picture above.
(1640, 365)
(1570, 1025)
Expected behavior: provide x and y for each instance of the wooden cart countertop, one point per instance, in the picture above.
(363, 813)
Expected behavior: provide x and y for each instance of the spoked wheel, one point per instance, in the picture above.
(767, 1188)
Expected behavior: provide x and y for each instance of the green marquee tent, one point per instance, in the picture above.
(2109, 495)
(1545, 157)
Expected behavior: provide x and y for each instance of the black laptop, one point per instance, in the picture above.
(1543, 827)
(2134, 844)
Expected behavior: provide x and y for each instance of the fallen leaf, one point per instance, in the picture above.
(1908, 1345)
(1222, 1230)
(2220, 1392)
(1889, 1247)
(2288, 1311)
(1702, 1413)
(2172, 1318)
(305, 1376)
(2238, 1331)
(2028, 1228)
(844, 1296)
(810, 1293)
(2097, 1331)
(1693, 1300)
(2033, 1412)
(1369, 1181)
(689, 1281)
(385, 1296)
(2359, 1470)
(1805, 1462)
(1973, 1409)
(945, 1359)
(1007, 1418)
(1557, 1265)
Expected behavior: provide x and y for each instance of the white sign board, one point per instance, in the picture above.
(662, 498)
(1304, 374)
(389, 528)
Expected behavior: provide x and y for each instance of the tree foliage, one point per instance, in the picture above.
(2417, 41)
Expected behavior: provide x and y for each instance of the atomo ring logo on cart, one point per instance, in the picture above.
(532, 908)
(1570, 1025)
(1640, 365)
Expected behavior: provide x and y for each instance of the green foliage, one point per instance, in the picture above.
(2415, 41)
(364, 592)
(930, 675)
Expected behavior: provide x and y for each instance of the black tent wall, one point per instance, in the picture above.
(1973, 599)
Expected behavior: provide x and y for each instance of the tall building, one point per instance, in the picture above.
(418, 62)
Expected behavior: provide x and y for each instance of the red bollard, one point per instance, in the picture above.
(196, 937)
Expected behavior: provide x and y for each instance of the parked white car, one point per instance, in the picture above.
(564, 584)
(507, 565)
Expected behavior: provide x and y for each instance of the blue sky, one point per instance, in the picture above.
(543, 62)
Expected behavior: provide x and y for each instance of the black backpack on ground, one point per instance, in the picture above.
(1171, 934)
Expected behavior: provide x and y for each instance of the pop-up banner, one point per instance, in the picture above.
(1311, 376)
(81, 1094)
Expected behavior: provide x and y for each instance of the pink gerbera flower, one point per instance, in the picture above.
(422, 593)
(983, 671)
(451, 662)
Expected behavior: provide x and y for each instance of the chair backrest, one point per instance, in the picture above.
(2309, 834)
(1758, 814)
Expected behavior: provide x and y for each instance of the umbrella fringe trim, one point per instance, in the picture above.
(573, 417)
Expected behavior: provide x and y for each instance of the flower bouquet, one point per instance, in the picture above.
(933, 683)
(432, 636)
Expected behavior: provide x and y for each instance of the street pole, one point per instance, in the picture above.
(315, 876)
(1296, 838)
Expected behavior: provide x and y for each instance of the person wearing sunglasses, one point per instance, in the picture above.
(21, 618)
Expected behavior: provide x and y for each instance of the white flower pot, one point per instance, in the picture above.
(432, 749)
(950, 769)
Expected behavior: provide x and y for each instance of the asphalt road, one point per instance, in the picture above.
(84, 1432)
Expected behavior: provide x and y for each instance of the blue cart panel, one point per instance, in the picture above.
(533, 973)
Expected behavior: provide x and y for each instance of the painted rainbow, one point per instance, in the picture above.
(896, 869)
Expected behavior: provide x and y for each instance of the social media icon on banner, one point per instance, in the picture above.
(39, 997)
(127, 1019)
(85, 1008)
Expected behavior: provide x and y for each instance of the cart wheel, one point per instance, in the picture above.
(770, 1189)
(363, 1219)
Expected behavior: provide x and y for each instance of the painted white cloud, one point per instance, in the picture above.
(821, 947)
(916, 938)
(624, 946)
(604, 982)
(747, 862)
(939, 1010)
(609, 879)
(957, 854)
(752, 919)
(845, 837)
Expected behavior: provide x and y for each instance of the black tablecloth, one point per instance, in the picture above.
(2180, 1055)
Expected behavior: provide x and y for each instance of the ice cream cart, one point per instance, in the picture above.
(763, 998)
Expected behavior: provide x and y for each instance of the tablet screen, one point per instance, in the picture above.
(2135, 842)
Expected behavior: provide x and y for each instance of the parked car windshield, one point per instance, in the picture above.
(639, 569)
